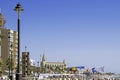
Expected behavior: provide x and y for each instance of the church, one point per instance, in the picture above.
(57, 67)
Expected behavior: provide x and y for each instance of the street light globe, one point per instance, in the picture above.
(18, 8)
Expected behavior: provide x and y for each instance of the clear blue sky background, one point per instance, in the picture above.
(84, 32)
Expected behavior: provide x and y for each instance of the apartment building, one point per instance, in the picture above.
(8, 47)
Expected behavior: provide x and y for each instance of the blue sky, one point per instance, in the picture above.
(84, 32)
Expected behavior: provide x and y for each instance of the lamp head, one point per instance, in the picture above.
(18, 8)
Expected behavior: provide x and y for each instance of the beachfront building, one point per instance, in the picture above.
(52, 67)
(25, 64)
(8, 47)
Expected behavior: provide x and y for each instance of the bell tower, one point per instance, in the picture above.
(43, 58)
(43, 62)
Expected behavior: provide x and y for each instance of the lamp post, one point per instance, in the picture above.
(10, 63)
(11, 66)
(18, 9)
(38, 69)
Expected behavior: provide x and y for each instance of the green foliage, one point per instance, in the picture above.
(1, 62)
(1, 36)
(8, 62)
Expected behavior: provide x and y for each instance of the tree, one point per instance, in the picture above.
(1, 36)
(1, 63)
(8, 62)
(67, 70)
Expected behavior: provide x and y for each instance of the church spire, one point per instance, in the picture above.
(43, 58)
(64, 61)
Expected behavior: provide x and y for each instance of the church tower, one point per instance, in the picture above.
(43, 62)
(43, 58)
(64, 61)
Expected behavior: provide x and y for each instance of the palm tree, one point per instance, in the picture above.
(57, 69)
(1, 36)
(8, 62)
(1, 63)
(67, 70)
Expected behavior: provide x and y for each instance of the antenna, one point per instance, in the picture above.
(40, 57)
(0, 10)
(44, 51)
(25, 48)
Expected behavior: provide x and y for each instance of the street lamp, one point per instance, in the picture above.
(18, 9)
(38, 69)
(10, 64)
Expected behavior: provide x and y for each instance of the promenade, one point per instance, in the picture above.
(84, 77)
